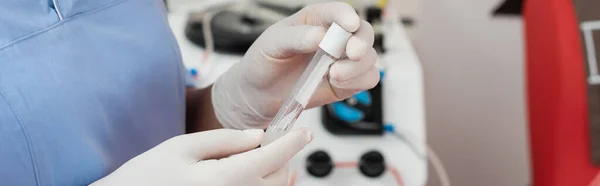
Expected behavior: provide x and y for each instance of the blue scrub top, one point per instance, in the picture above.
(85, 85)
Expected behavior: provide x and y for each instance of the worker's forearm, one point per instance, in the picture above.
(200, 115)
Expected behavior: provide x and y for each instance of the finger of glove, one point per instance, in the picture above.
(323, 14)
(279, 177)
(323, 95)
(346, 69)
(330, 92)
(286, 41)
(217, 143)
(362, 82)
(361, 41)
(267, 159)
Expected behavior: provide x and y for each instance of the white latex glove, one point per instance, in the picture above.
(222, 157)
(252, 91)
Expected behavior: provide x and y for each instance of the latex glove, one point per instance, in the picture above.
(252, 91)
(205, 159)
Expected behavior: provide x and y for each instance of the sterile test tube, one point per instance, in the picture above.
(331, 49)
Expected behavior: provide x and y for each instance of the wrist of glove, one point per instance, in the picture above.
(234, 108)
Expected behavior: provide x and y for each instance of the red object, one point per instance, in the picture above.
(556, 94)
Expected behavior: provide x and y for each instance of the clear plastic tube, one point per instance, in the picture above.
(301, 93)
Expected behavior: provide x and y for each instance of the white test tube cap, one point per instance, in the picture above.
(334, 42)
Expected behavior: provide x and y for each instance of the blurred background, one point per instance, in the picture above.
(479, 64)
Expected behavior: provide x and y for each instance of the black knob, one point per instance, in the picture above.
(372, 164)
(319, 164)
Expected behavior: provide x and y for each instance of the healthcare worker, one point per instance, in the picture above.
(93, 92)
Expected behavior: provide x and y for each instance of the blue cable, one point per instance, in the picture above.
(390, 128)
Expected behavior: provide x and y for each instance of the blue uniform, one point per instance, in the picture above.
(85, 85)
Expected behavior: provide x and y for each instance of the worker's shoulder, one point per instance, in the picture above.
(24, 19)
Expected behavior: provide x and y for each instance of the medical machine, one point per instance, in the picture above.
(376, 137)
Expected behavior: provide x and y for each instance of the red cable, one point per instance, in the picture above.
(204, 57)
(346, 164)
(397, 176)
(292, 180)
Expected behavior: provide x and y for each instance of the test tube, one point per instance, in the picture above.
(331, 49)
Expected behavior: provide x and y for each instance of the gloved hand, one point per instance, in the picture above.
(221, 157)
(252, 91)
